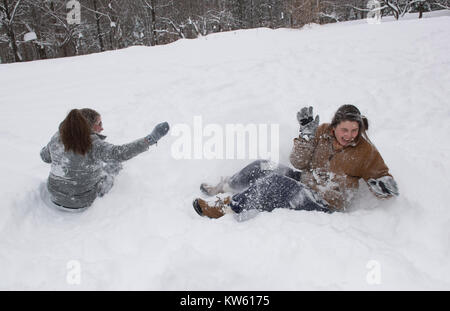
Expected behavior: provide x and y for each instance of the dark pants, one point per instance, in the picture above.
(265, 186)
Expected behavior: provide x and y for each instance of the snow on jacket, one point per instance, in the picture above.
(334, 171)
(75, 179)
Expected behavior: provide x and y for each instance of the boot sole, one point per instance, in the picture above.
(197, 207)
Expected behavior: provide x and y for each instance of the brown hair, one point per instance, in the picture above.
(75, 133)
(351, 113)
(90, 115)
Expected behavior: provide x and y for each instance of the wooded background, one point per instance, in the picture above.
(33, 29)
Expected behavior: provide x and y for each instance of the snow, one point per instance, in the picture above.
(145, 234)
(29, 36)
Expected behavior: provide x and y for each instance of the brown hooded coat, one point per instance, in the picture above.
(334, 171)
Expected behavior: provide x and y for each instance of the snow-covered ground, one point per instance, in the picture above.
(145, 235)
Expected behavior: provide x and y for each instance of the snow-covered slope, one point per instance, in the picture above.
(145, 235)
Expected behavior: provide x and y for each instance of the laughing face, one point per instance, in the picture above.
(346, 132)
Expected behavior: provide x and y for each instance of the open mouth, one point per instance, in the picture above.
(346, 141)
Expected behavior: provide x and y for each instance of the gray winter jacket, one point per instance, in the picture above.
(74, 179)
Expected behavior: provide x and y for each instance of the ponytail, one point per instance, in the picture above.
(75, 133)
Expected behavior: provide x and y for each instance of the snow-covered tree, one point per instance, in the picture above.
(442, 4)
(400, 7)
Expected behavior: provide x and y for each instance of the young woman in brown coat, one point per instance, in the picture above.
(330, 160)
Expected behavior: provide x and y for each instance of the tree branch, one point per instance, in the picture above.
(408, 7)
(332, 16)
(441, 5)
(148, 5)
(171, 23)
(14, 12)
(356, 8)
(98, 12)
(52, 14)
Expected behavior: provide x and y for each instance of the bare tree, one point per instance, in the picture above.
(10, 10)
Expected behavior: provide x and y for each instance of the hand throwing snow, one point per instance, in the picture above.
(308, 125)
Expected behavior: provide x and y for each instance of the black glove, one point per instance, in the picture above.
(308, 125)
(159, 131)
(384, 186)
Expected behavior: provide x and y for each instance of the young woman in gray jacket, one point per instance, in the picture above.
(83, 164)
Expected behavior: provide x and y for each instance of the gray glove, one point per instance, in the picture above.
(384, 186)
(159, 131)
(308, 125)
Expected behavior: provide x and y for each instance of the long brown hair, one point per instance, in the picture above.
(351, 113)
(75, 133)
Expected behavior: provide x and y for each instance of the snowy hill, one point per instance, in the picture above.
(145, 235)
